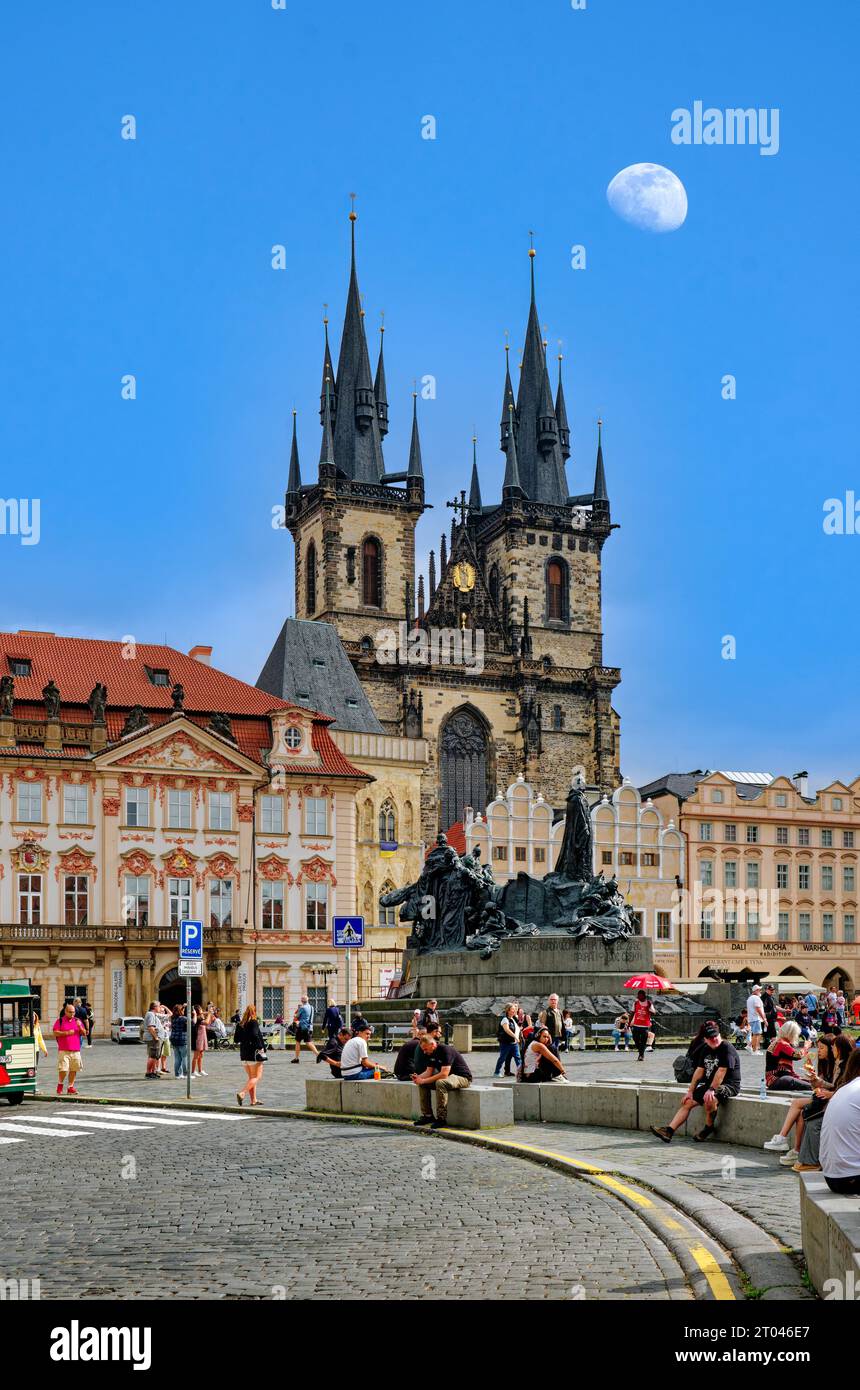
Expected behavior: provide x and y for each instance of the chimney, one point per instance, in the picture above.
(801, 781)
(202, 654)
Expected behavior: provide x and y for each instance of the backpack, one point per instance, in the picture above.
(683, 1068)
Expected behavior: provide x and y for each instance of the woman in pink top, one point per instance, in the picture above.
(68, 1031)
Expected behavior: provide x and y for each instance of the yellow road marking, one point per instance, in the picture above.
(719, 1284)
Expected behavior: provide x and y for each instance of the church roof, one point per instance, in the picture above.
(357, 441)
(308, 665)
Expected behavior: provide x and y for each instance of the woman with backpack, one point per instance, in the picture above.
(252, 1054)
(508, 1037)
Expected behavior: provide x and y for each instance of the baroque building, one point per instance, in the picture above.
(140, 786)
(521, 574)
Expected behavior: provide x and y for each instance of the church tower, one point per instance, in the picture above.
(521, 576)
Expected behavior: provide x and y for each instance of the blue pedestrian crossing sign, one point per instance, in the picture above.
(190, 940)
(348, 932)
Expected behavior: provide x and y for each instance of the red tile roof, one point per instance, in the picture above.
(456, 835)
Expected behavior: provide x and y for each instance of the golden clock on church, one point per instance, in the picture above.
(464, 576)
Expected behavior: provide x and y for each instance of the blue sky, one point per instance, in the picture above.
(153, 257)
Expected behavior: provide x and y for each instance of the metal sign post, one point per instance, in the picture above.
(348, 991)
(188, 1038)
(190, 963)
(347, 934)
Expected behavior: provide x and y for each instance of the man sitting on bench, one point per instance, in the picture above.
(446, 1071)
(717, 1077)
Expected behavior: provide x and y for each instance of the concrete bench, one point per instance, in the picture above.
(627, 1105)
(479, 1107)
(830, 1235)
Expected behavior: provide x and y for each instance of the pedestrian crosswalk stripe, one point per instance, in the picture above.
(21, 1128)
(10, 1141)
(193, 1116)
(135, 1120)
(90, 1124)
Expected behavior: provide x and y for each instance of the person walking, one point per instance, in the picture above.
(199, 1023)
(252, 1053)
(756, 1016)
(68, 1032)
(569, 1029)
(508, 1035)
(332, 1021)
(304, 1022)
(643, 1015)
(37, 1037)
(153, 1036)
(445, 1071)
(178, 1041)
(551, 1018)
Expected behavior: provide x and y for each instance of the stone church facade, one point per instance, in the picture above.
(521, 574)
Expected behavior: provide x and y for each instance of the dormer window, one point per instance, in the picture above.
(157, 676)
(20, 666)
(293, 737)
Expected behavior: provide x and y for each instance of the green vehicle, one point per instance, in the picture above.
(17, 1041)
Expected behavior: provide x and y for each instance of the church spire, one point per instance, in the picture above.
(380, 390)
(539, 452)
(507, 397)
(561, 416)
(327, 373)
(327, 446)
(294, 477)
(415, 469)
(475, 504)
(357, 439)
(600, 492)
(512, 486)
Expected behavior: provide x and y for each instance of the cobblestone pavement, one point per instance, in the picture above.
(755, 1184)
(208, 1206)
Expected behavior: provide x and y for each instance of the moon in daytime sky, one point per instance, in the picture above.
(649, 196)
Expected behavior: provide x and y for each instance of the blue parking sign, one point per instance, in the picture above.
(348, 933)
(190, 940)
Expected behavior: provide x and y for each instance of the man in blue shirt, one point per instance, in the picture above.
(304, 1022)
(811, 1002)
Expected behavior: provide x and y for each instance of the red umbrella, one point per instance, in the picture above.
(647, 981)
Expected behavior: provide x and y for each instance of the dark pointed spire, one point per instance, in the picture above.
(431, 577)
(561, 416)
(415, 469)
(327, 446)
(600, 492)
(475, 503)
(443, 556)
(328, 373)
(421, 596)
(539, 453)
(380, 390)
(357, 440)
(507, 397)
(294, 477)
(512, 486)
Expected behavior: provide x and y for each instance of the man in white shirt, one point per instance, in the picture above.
(756, 1016)
(354, 1059)
(840, 1140)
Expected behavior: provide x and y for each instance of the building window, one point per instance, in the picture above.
(499, 852)
(731, 926)
(705, 926)
(804, 926)
(387, 915)
(371, 573)
(753, 869)
(557, 717)
(752, 834)
(220, 811)
(836, 803)
(782, 927)
(272, 815)
(782, 834)
(606, 856)
(293, 737)
(316, 815)
(782, 875)
(827, 926)
(387, 823)
(847, 839)
(273, 906)
(75, 895)
(848, 927)
(730, 873)
(273, 1002)
(75, 804)
(157, 677)
(540, 855)
(30, 899)
(706, 873)
(781, 799)
(803, 875)
(493, 583)
(135, 903)
(178, 809)
(717, 796)
(311, 580)
(803, 835)
(827, 878)
(752, 926)
(649, 861)
(628, 858)
(30, 801)
(179, 891)
(848, 877)
(827, 839)
(731, 833)
(221, 902)
(520, 854)
(136, 806)
(706, 830)
(316, 907)
(20, 666)
(664, 926)
(556, 591)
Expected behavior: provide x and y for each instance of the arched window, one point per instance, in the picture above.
(387, 915)
(556, 591)
(311, 580)
(493, 584)
(387, 822)
(371, 573)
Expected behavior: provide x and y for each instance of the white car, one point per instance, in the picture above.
(125, 1030)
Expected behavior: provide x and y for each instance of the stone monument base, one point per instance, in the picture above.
(530, 965)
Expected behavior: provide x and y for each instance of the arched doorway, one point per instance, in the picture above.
(839, 979)
(172, 989)
(462, 766)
